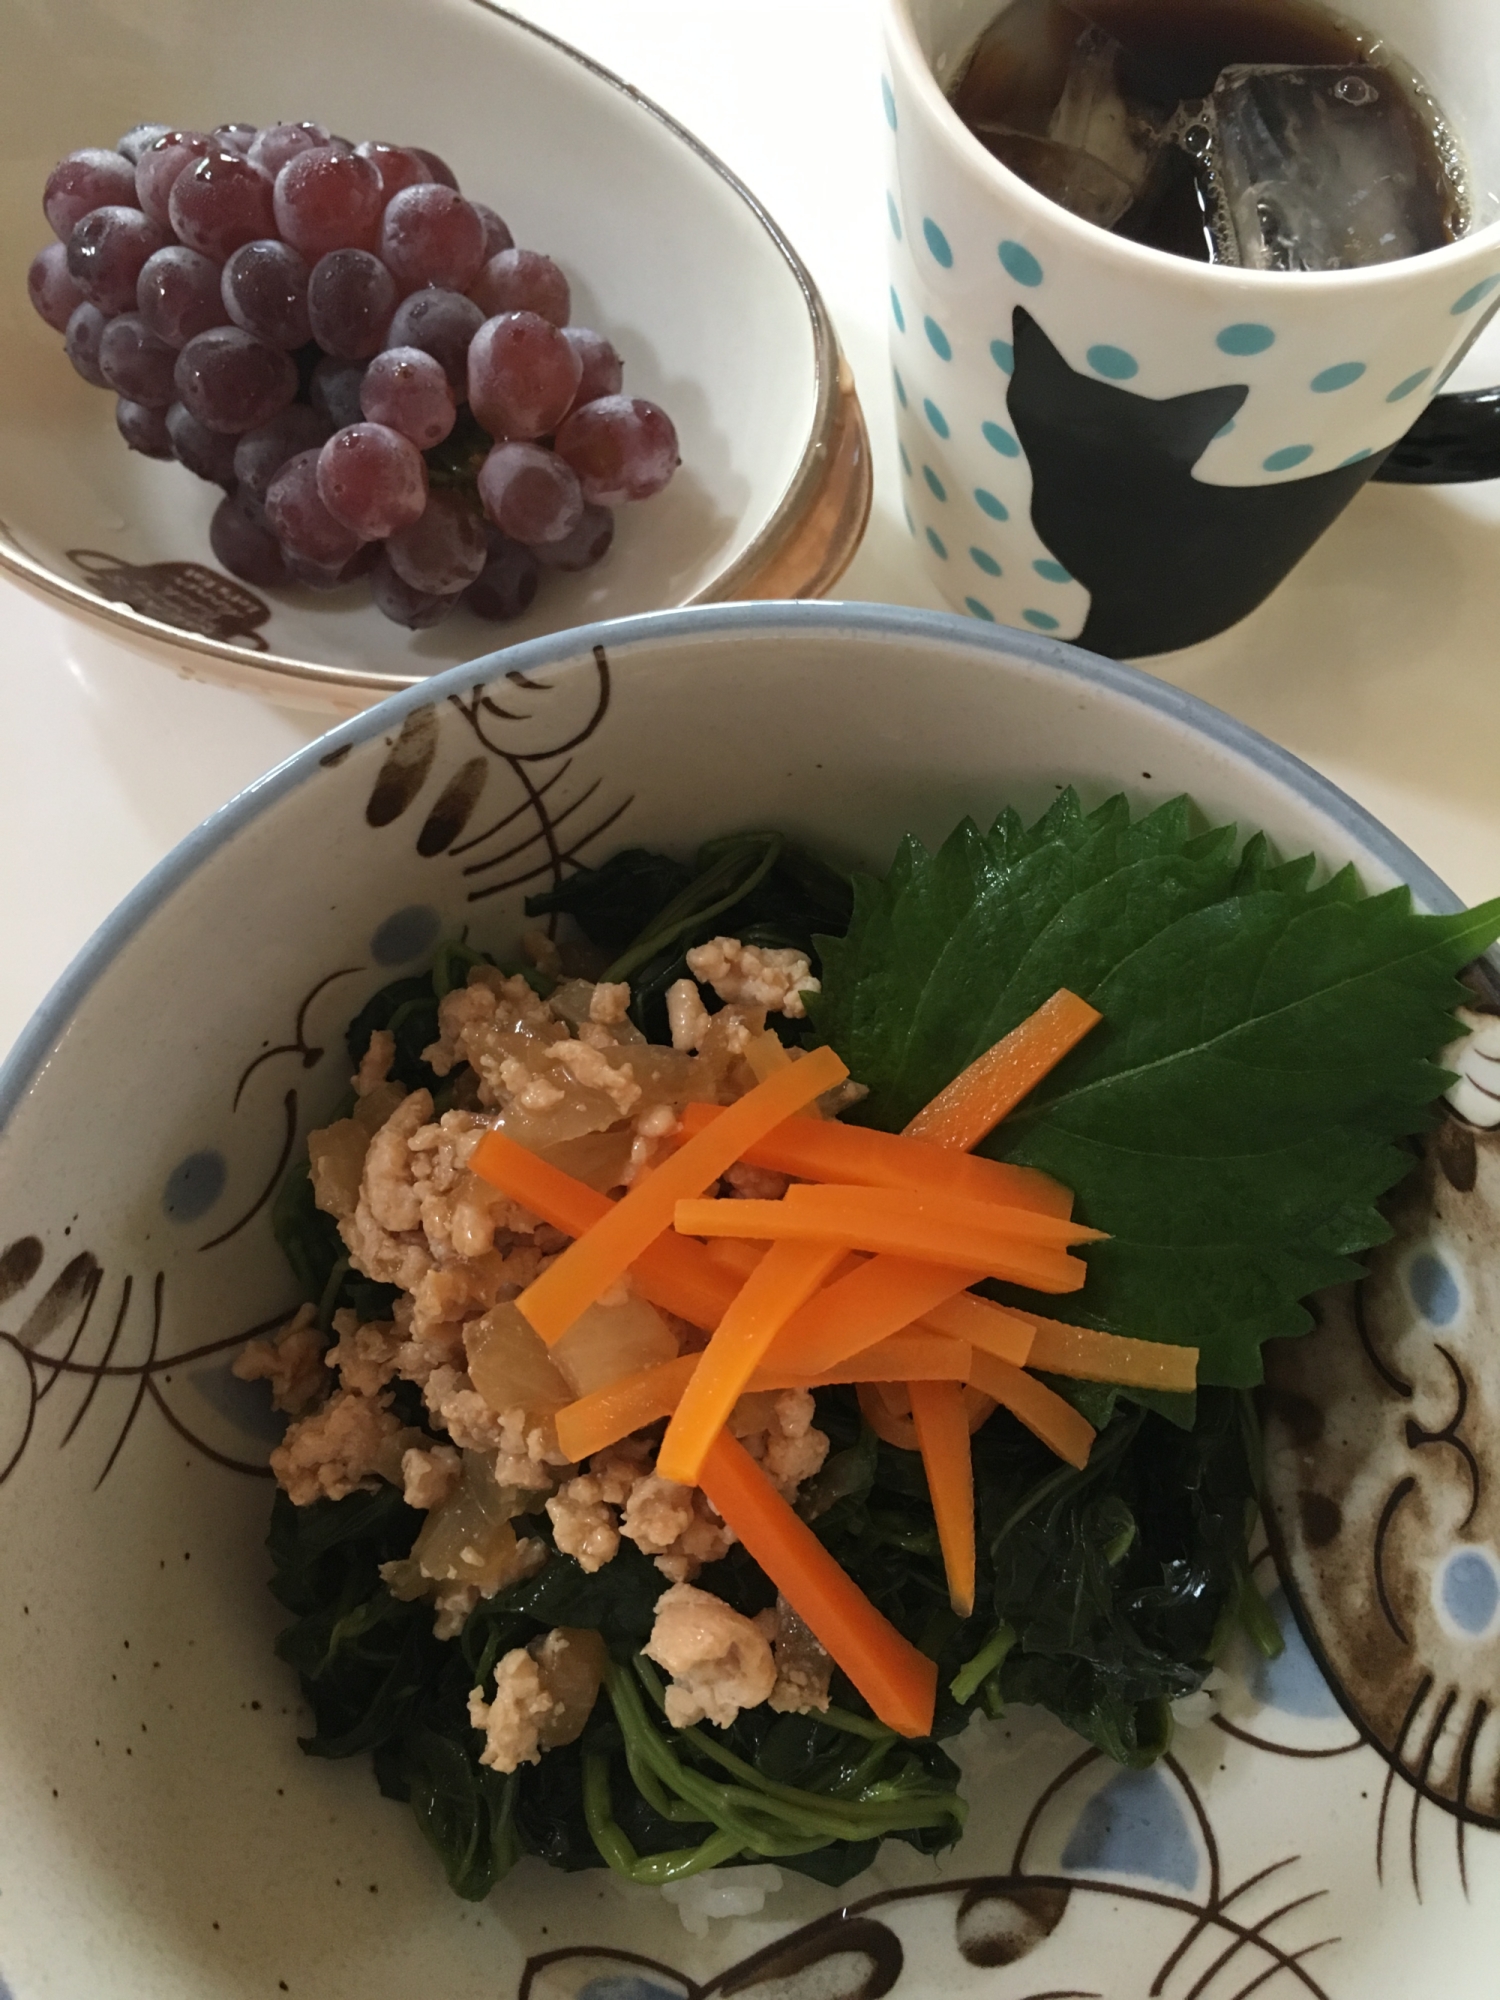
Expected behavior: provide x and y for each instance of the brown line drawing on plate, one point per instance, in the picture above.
(288, 1140)
(299, 1045)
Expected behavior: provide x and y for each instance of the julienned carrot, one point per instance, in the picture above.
(672, 1272)
(898, 1682)
(1111, 1357)
(815, 1149)
(1004, 1334)
(784, 1279)
(952, 1211)
(602, 1418)
(1044, 1413)
(878, 1297)
(887, 1426)
(592, 1263)
(980, 1096)
(937, 1410)
(913, 1356)
(736, 1256)
(906, 1225)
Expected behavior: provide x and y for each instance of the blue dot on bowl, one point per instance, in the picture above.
(1113, 362)
(935, 485)
(194, 1185)
(935, 416)
(1135, 1826)
(888, 99)
(900, 387)
(1469, 1590)
(1287, 457)
(937, 340)
(1409, 387)
(988, 504)
(982, 559)
(1042, 620)
(935, 543)
(406, 934)
(1020, 264)
(937, 243)
(1053, 572)
(1224, 429)
(627, 1986)
(1433, 1288)
(1475, 293)
(1001, 439)
(1355, 457)
(1340, 376)
(1246, 336)
(905, 460)
(972, 604)
(895, 215)
(911, 524)
(1004, 356)
(896, 313)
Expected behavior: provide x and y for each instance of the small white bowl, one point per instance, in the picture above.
(667, 253)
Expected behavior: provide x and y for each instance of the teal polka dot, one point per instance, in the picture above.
(998, 436)
(911, 524)
(1409, 387)
(1287, 457)
(937, 243)
(935, 485)
(895, 215)
(1338, 377)
(1020, 264)
(988, 504)
(1113, 362)
(1475, 293)
(1053, 572)
(1004, 356)
(896, 312)
(982, 559)
(937, 340)
(1042, 620)
(935, 417)
(900, 387)
(1246, 336)
(888, 99)
(979, 610)
(1224, 429)
(935, 543)
(1355, 457)
(905, 461)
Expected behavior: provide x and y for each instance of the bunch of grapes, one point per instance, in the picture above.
(380, 380)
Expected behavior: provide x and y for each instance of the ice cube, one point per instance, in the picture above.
(1316, 169)
(1065, 174)
(1095, 116)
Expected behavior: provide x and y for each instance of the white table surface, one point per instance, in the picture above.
(1379, 661)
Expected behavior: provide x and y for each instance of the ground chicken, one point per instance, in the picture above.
(429, 1477)
(593, 1069)
(687, 1016)
(513, 1722)
(794, 1448)
(351, 1442)
(291, 1361)
(365, 1355)
(719, 1661)
(609, 1003)
(657, 1513)
(756, 1183)
(375, 1064)
(755, 975)
(583, 1524)
(452, 1603)
(543, 953)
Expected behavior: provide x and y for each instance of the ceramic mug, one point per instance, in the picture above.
(1128, 448)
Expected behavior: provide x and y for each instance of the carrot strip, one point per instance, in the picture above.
(882, 1206)
(980, 1096)
(592, 1263)
(913, 1356)
(937, 1410)
(1110, 1357)
(736, 1256)
(887, 1426)
(880, 1296)
(603, 1417)
(990, 1327)
(779, 1284)
(864, 1219)
(816, 1149)
(898, 1682)
(1044, 1413)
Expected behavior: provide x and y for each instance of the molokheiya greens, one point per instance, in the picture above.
(1266, 1044)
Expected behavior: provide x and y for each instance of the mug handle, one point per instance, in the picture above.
(1455, 440)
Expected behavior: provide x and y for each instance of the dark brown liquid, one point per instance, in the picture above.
(1173, 52)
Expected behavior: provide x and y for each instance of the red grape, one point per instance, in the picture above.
(417, 609)
(621, 447)
(81, 340)
(134, 142)
(260, 454)
(177, 294)
(159, 165)
(55, 295)
(445, 549)
(398, 166)
(372, 479)
(274, 145)
(209, 454)
(299, 520)
(350, 298)
(334, 391)
(430, 235)
(135, 363)
(530, 494)
(231, 381)
(143, 429)
(265, 291)
(506, 585)
(246, 547)
(603, 370)
(587, 544)
(408, 390)
(236, 138)
(106, 252)
(328, 199)
(438, 167)
(522, 281)
(442, 324)
(93, 177)
(220, 202)
(326, 576)
(497, 236)
(523, 375)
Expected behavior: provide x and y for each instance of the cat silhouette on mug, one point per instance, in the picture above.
(1166, 558)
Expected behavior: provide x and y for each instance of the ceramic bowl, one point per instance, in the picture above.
(160, 1833)
(667, 253)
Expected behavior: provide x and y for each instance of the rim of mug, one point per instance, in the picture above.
(901, 34)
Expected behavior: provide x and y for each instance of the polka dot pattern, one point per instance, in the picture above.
(911, 524)
(935, 417)
(987, 503)
(1042, 620)
(888, 99)
(1340, 376)
(900, 387)
(895, 216)
(935, 485)
(1475, 295)
(1245, 337)
(896, 313)
(937, 340)
(905, 460)
(1051, 572)
(1113, 363)
(982, 559)
(1004, 356)
(997, 436)
(973, 605)
(935, 543)
(1409, 387)
(1355, 457)
(1020, 264)
(1287, 457)
(937, 243)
